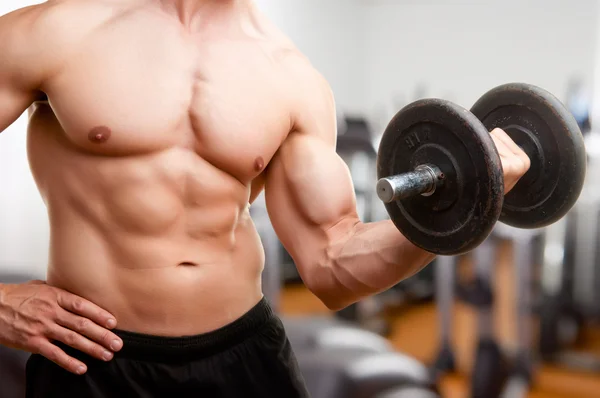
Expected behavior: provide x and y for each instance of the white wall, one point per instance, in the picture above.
(331, 34)
(461, 49)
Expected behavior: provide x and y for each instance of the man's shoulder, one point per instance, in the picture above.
(45, 34)
(286, 53)
(312, 98)
(60, 19)
(51, 9)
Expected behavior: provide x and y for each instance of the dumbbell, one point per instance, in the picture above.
(440, 176)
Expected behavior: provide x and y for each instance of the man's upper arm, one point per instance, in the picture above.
(27, 58)
(309, 191)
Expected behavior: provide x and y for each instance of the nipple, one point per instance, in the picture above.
(259, 164)
(99, 134)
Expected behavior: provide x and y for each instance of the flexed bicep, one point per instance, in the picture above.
(309, 192)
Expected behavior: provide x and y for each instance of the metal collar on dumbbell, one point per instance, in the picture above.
(424, 180)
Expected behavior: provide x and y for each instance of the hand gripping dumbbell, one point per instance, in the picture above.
(440, 175)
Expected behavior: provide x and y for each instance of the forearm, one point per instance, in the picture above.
(365, 259)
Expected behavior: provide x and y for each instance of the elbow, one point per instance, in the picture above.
(323, 283)
(336, 305)
(324, 269)
(331, 299)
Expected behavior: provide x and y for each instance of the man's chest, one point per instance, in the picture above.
(227, 101)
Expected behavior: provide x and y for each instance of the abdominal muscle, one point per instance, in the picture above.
(164, 242)
(163, 285)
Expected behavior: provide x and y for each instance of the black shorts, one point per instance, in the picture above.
(250, 357)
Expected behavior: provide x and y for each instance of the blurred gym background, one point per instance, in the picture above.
(518, 317)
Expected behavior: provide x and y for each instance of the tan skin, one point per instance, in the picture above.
(161, 129)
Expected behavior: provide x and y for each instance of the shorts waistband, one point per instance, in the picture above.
(156, 348)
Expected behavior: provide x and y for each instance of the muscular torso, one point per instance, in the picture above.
(151, 147)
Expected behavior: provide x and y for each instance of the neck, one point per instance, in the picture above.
(189, 10)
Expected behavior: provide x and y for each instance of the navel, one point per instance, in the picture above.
(259, 164)
(99, 135)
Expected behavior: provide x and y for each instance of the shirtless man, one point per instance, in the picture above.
(153, 125)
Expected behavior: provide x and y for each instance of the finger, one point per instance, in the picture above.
(59, 357)
(86, 327)
(80, 343)
(85, 308)
(503, 151)
(509, 149)
(514, 149)
(502, 141)
(499, 141)
(508, 142)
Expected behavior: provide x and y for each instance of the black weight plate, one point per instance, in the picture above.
(560, 326)
(538, 122)
(490, 371)
(462, 212)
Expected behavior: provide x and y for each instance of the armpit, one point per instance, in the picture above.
(41, 97)
(257, 186)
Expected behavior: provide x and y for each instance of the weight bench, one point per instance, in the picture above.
(358, 373)
(316, 333)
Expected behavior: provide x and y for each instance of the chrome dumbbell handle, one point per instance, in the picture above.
(424, 180)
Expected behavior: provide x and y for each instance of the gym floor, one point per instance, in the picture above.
(415, 332)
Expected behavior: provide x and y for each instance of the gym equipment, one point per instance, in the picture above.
(445, 276)
(543, 127)
(331, 333)
(440, 175)
(435, 161)
(586, 250)
(490, 370)
(347, 373)
(525, 245)
(579, 103)
(408, 392)
(571, 273)
(560, 321)
(494, 374)
(418, 289)
(354, 145)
